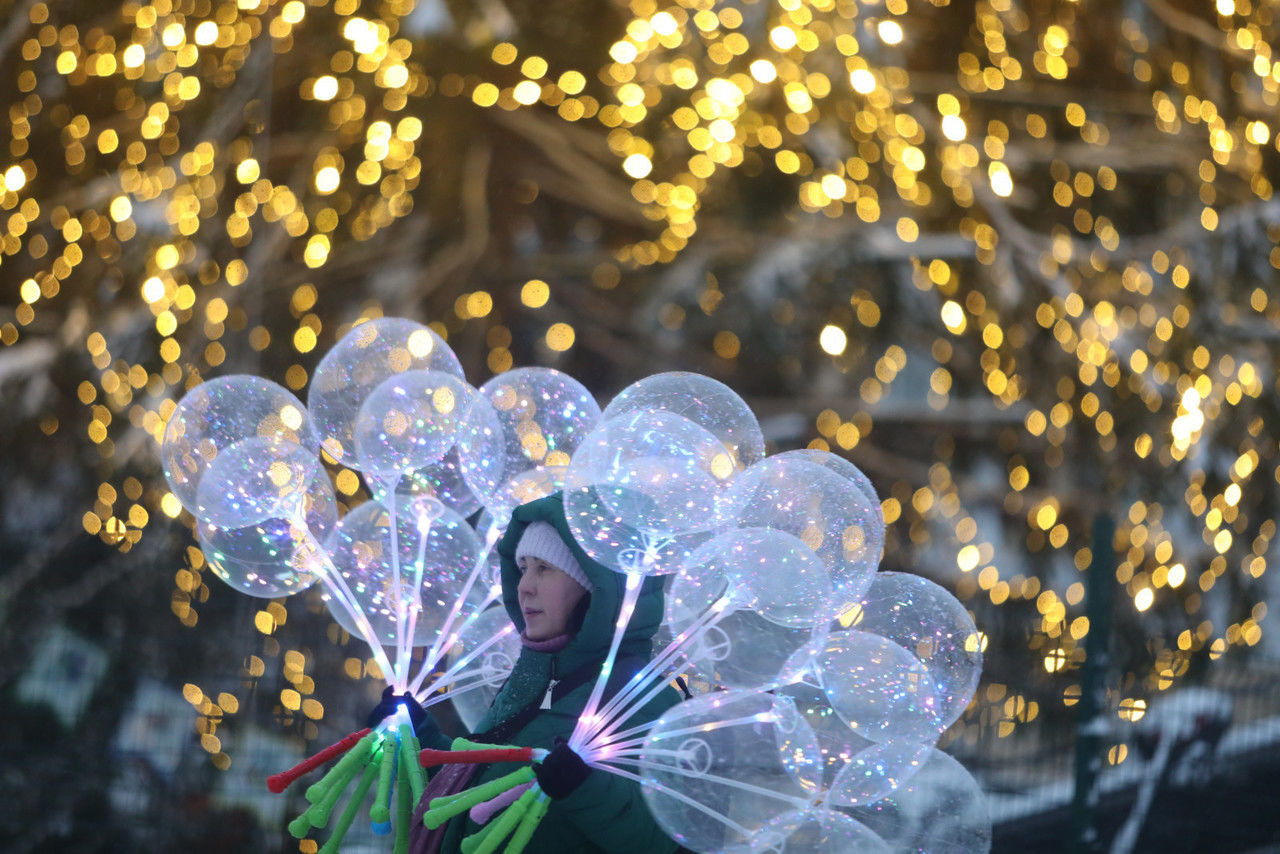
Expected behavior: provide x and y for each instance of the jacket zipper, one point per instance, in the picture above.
(551, 686)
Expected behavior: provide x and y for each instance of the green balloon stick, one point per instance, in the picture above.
(380, 812)
(529, 823)
(409, 760)
(300, 826)
(349, 812)
(506, 823)
(355, 757)
(319, 813)
(439, 812)
(405, 799)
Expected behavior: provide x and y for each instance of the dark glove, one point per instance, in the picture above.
(562, 772)
(387, 706)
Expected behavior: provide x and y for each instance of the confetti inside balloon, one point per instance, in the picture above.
(266, 559)
(709, 403)
(219, 413)
(930, 623)
(436, 552)
(367, 356)
(254, 480)
(828, 512)
(525, 426)
(882, 691)
(410, 422)
(643, 490)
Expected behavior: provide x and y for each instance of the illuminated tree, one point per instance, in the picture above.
(1015, 259)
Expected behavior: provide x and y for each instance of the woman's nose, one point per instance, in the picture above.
(526, 586)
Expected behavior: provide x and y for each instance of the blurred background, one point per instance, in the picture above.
(1016, 259)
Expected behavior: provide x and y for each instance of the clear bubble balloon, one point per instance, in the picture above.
(708, 403)
(766, 570)
(640, 485)
(840, 466)
(433, 546)
(217, 414)
(410, 422)
(882, 691)
(367, 356)
(525, 426)
(270, 559)
(941, 810)
(819, 832)
(486, 673)
(855, 770)
(826, 511)
(442, 481)
(929, 622)
(254, 480)
(718, 768)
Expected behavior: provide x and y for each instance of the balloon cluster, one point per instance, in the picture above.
(829, 681)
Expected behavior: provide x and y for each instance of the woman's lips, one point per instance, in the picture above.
(530, 613)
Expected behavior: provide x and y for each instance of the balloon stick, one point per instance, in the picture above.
(319, 812)
(438, 812)
(501, 827)
(431, 758)
(406, 796)
(354, 758)
(410, 769)
(380, 813)
(277, 783)
(682, 798)
(665, 661)
(349, 812)
(588, 718)
(528, 824)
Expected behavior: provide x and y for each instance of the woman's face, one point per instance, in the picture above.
(547, 597)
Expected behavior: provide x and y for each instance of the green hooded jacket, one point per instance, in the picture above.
(606, 813)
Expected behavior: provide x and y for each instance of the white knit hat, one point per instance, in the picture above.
(541, 540)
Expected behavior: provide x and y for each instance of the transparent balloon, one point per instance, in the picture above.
(828, 512)
(434, 547)
(254, 480)
(741, 648)
(362, 360)
(766, 570)
(930, 623)
(855, 770)
(719, 767)
(819, 832)
(525, 426)
(410, 422)
(268, 560)
(708, 403)
(645, 489)
(442, 481)
(485, 674)
(837, 464)
(942, 810)
(878, 688)
(217, 414)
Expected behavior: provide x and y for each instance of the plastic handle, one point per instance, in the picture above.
(277, 783)
(349, 812)
(528, 824)
(430, 758)
(380, 812)
(443, 809)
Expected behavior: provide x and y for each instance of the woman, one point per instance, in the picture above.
(565, 606)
